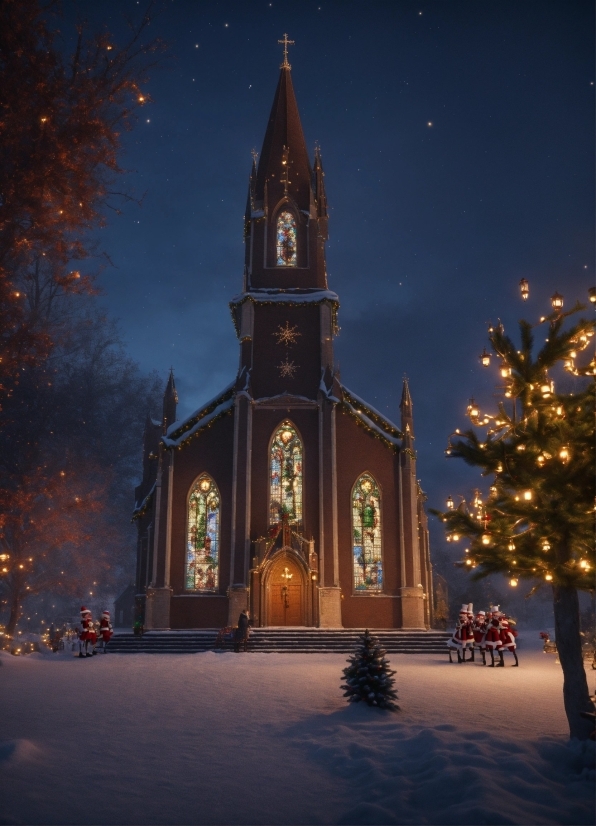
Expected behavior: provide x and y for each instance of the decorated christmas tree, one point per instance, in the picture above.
(368, 677)
(537, 450)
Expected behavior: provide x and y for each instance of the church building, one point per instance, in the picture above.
(286, 494)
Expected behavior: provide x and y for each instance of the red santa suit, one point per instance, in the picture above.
(479, 630)
(492, 640)
(105, 630)
(461, 636)
(470, 628)
(87, 635)
(508, 635)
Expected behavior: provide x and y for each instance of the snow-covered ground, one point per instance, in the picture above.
(224, 738)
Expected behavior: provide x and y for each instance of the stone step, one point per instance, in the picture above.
(282, 640)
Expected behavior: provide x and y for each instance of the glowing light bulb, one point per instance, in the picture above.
(485, 539)
(528, 495)
(524, 288)
(513, 582)
(450, 503)
(548, 577)
(564, 454)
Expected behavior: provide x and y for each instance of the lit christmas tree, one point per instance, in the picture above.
(368, 678)
(538, 450)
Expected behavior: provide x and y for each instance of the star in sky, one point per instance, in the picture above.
(286, 334)
(287, 369)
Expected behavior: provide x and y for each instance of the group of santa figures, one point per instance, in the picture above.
(486, 631)
(91, 633)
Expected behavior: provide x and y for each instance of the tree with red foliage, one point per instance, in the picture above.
(61, 119)
(62, 115)
(47, 538)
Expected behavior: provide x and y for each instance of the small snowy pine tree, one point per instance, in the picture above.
(368, 677)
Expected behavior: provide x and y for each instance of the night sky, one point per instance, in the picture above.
(457, 140)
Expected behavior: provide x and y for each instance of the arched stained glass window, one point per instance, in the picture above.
(285, 475)
(366, 535)
(286, 240)
(202, 539)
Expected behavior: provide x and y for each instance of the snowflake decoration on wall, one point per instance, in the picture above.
(287, 369)
(286, 334)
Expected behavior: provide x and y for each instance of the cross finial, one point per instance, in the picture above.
(286, 43)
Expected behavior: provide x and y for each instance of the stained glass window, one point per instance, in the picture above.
(202, 540)
(286, 240)
(285, 474)
(366, 535)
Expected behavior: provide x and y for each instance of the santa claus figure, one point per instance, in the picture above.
(105, 630)
(87, 635)
(508, 634)
(479, 627)
(461, 637)
(492, 640)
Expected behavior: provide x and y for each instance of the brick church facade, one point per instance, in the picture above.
(286, 494)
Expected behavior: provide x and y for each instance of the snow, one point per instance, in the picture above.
(290, 295)
(224, 738)
(173, 428)
(202, 423)
(373, 425)
(371, 409)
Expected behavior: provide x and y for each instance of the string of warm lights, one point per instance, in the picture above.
(539, 449)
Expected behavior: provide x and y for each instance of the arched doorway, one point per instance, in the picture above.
(286, 593)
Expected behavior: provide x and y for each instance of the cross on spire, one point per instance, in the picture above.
(286, 43)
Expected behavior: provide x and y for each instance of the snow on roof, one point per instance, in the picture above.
(186, 424)
(202, 422)
(139, 509)
(289, 296)
(367, 422)
(366, 410)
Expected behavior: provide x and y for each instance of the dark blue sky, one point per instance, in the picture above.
(457, 140)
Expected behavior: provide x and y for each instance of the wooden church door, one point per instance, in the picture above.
(285, 594)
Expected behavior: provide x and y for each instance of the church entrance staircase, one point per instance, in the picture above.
(282, 640)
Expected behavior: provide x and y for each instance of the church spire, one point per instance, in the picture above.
(287, 230)
(284, 154)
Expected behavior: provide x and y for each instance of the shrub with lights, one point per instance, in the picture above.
(537, 522)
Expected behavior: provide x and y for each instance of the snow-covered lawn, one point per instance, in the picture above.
(268, 739)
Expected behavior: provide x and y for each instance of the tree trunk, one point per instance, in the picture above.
(576, 696)
(15, 613)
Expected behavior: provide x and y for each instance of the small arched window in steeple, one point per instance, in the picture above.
(286, 240)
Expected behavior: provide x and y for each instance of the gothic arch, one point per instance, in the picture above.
(203, 534)
(285, 462)
(285, 226)
(285, 570)
(367, 534)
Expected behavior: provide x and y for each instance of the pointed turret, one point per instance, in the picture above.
(407, 416)
(250, 197)
(170, 400)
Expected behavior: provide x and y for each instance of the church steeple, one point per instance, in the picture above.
(286, 220)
